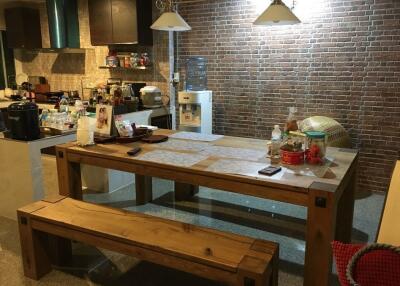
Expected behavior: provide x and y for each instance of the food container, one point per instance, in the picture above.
(292, 157)
(292, 149)
(112, 61)
(316, 147)
(85, 132)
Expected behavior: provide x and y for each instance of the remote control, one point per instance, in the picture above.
(134, 151)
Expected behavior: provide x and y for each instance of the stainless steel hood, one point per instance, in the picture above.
(63, 24)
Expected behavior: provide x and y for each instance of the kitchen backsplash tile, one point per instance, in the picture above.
(71, 71)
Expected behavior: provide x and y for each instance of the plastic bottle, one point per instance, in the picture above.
(64, 105)
(276, 141)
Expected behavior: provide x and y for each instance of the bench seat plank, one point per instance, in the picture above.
(206, 245)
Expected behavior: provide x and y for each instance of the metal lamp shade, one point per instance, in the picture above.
(171, 21)
(277, 14)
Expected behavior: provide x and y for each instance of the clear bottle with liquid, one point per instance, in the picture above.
(276, 141)
(64, 105)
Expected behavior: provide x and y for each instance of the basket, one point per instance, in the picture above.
(367, 249)
(292, 158)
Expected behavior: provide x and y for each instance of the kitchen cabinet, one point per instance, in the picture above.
(120, 22)
(23, 28)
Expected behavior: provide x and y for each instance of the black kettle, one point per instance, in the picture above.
(23, 118)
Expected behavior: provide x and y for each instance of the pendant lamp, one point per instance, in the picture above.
(277, 14)
(170, 20)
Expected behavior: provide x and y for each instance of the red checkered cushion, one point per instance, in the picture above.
(376, 268)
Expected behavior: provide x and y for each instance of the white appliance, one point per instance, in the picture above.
(195, 111)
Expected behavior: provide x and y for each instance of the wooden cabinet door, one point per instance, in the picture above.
(100, 20)
(120, 22)
(124, 17)
(23, 28)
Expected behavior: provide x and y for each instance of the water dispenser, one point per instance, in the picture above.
(195, 111)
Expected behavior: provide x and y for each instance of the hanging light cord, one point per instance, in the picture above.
(280, 2)
(164, 5)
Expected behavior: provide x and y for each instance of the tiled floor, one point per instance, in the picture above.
(259, 218)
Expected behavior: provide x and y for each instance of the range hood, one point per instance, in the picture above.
(63, 23)
(63, 27)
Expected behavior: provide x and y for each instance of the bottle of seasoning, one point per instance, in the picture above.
(291, 123)
(146, 59)
(127, 62)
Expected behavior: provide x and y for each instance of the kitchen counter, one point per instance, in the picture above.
(5, 104)
(27, 175)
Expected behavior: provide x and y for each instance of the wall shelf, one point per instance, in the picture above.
(123, 68)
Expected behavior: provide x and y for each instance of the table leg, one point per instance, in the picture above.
(185, 191)
(345, 211)
(69, 176)
(320, 234)
(144, 189)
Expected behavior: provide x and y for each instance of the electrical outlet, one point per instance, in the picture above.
(176, 77)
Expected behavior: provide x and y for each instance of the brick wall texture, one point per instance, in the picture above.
(342, 61)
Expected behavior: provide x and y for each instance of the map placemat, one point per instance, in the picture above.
(236, 167)
(196, 136)
(172, 158)
(234, 153)
(184, 145)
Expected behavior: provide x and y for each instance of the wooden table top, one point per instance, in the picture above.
(232, 158)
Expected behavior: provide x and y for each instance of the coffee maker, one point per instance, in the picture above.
(23, 118)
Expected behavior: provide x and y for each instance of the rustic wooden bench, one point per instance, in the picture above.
(44, 227)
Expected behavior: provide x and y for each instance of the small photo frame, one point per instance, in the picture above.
(104, 119)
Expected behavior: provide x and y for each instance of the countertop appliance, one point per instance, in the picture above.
(49, 97)
(195, 111)
(135, 88)
(2, 123)
(23, 118)
(151, 97)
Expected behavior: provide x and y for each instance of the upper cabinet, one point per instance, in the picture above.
(120, 22)
(23, 28)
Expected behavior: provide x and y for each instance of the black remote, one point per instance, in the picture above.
(134, 151)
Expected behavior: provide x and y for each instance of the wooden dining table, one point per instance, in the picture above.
(231, 164)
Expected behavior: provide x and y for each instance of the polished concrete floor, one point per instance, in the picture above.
(240, 214)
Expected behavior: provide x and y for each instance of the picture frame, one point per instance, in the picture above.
(104, 119)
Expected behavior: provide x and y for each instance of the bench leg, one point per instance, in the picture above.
(252, 272)
(248, 281)
(35, 259)
(185, 191)
(144, 189)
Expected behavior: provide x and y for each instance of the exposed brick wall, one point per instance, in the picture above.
(343, 61)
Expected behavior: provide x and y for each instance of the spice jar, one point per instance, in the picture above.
(316, 147)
